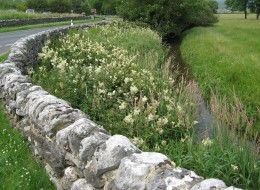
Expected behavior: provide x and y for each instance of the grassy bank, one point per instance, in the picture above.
(10, 29)
(123, 81)
(18, 168)
(225, 59)
(10, 15)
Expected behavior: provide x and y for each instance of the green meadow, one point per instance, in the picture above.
(225, 60)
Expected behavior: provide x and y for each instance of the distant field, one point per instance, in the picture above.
(226, 57)
(8, 15)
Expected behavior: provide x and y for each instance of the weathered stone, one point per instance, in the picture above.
(81, 184)
(108, 155)
(89, 144)
(164, 177)
(81, 130)
(210, 184)
(133, 170)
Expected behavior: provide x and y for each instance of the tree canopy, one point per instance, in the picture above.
(244, 5)
(169, 17)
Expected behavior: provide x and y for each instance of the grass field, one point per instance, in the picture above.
(225, 58)
(9, 15)
(18, 168)
(10, 29)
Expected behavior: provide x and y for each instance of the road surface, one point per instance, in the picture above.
(8, 38)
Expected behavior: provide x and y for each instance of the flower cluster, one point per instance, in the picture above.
(105, 77)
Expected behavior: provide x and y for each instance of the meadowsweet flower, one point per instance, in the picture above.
(207, 142)
(164, 143)
(137, 141)
(122, 105)
(129, 119)
(133, 89)
(136, 111)
(195, 122)
(234, 167)
(144, 99)
(150, 117)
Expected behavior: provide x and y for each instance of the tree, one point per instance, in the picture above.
(238, 5)
(254, 6)
(169, 17)
(37, 5)
(213, 5)
(60, 6)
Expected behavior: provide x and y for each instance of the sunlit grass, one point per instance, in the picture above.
(225, 58)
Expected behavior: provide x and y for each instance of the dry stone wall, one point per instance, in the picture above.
(76, 152)
(23, 22)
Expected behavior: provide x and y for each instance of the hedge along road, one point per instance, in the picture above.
(8, 38)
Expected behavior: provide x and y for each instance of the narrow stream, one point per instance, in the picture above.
(204, 128)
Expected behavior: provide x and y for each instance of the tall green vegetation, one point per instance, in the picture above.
(225, 58)
(126, 82)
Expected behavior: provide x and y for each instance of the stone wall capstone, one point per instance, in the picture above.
(76, 152)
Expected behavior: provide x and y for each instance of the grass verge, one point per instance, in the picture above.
(18, 168)
(9, 15)
(10, 29)
(225, 59)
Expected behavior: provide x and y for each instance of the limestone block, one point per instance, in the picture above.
(22, 98)
(172, 178)
(109, 155)
(89, 144)
(133, 170)
(81, 184)
(82, 129)
(6, 68)
(210, 184)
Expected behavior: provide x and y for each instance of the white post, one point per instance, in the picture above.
(71, 23)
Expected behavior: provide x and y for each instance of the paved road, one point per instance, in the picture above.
(8, 38)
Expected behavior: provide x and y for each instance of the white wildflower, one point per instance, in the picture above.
(234, 167)
(136, 111)
(129, 119)
(207, 142)
(122, 105)
(133, 89)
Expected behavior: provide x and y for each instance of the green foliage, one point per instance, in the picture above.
(18, 168)
(121, 90)
(169, 17)
(254, 6)
(225, 58)
(119, 75)
(60, 6)
(15, 4)
(37, 5)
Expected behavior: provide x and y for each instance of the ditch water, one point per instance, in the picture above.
(204, 128)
